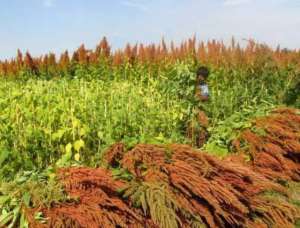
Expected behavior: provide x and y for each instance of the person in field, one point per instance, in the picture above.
(202, 95)
(202, 89)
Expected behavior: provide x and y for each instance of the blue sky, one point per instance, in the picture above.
(55, 25)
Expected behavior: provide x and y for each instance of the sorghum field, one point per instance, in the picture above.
(102, 138)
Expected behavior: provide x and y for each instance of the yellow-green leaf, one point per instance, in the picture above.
(68, 148)
(77, 157)
(78, 145)
(82, 131)
(75, 122)
(58, 135)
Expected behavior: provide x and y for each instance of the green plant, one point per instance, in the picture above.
(160, 204)
(28, 190)
(225, 131)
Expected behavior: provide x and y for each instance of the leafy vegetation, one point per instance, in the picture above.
(28, 190)
(44, 120)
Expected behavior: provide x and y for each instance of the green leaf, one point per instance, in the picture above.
(23, 222)
(4, 199)
(76, 122)
(16, 215)
(65, 158)
(21, 180)
(160, 137)
(59, 134)
(40, 217)
(6, 218)
(26, 199)
(213, 148)
(77, 157)
(100, 134)
(68, 148)
(78, 145)
(84, 131)
(116, 172)
(4, 154)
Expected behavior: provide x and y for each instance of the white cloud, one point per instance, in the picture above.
(138, 4)
(235, 2)
(48, 3)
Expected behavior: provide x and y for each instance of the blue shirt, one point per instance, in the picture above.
(204, 90)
